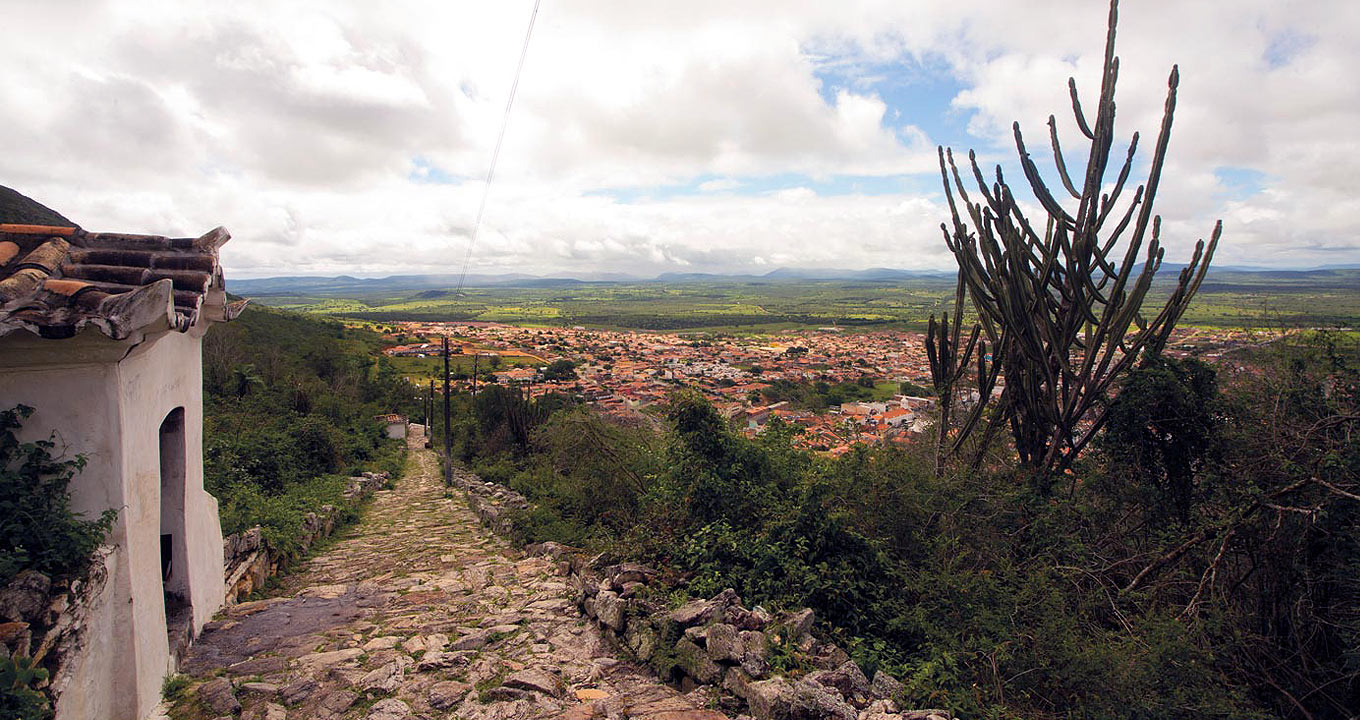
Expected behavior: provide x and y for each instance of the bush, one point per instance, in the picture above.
(18, 699)
(38, 529)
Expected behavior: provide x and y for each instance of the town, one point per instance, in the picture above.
(846, 387)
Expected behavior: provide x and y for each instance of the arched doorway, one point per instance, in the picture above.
(174, 543)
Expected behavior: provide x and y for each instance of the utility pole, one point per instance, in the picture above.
(475, 355)
(429, 410)
(448, 439)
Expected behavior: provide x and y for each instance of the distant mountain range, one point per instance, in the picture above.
(341, 283)
(437, 283)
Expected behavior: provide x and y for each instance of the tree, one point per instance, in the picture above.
(560, 370)
(1061, 312)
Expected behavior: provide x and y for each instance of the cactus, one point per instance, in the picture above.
(1061, 312)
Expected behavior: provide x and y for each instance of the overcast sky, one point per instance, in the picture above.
(649, 136)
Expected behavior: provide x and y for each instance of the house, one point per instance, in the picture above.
(101, 334)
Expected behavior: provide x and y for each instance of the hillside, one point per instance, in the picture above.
(289, 411)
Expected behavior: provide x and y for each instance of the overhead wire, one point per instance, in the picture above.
(496, 153)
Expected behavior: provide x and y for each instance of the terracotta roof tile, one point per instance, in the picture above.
(55, 280)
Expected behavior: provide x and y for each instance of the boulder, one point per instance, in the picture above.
(219, 697)
(25, 597)
(384, 679)
(297, 692)
(446, 694)
(848, 680)
(724, 643)
(885, 686)
(537, 680)
(389, 709)
(609, 610)
(798, 622)
(755, 655)
(694, 612)
(642, 640)
(335, 703)
(695, 663)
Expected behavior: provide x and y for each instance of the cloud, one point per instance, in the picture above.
(352, 137)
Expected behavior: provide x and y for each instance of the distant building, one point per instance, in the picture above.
(101, 334)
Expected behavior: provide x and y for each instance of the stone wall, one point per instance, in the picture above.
(49, 621)
(749, 660)
(250, 562)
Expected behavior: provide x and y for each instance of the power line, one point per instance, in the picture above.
(496, 154)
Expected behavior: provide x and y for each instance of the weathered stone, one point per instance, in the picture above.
(848, 680)
(389, 709)
(446, 694)
(723, 643)
(385, 679)
(798, 623)
(770, 699)
(695, 662)
(262, 688)
(296, 692)
(475, 640)
(609, 609)
(259, 666)
(537, 680)
(266, 711)
(326, 660)
(926, 715)
(827, 656)
(815, 702)
(885, 686)
(505, 694)
(642, 640)
(219, 697)
(697, 634)
(755, 656)
(25, 597)
(386, 642)
(694, 612)
(620, 575)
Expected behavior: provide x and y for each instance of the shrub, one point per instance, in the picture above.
(38, 528)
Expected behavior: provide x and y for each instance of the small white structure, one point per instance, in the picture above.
(101, 334)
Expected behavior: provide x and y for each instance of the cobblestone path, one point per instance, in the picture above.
(419, 612)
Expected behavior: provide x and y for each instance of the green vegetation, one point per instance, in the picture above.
(18, 699)
(1227, 299)
(818, 396)
(289, 413)
(38, 529)
(1202, 560)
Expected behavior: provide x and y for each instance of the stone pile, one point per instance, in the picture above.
(746, 659)
(48, 620)
(492, 503)
(250, 562)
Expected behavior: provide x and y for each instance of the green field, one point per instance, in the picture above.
(1229, 299)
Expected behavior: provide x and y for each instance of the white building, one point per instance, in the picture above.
(101, 334)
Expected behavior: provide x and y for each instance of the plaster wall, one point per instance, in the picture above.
(81, 402)
(108, 400)
(154, 379)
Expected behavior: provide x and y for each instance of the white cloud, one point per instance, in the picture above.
(320, 132)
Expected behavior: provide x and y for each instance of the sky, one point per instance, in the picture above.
(353, 137)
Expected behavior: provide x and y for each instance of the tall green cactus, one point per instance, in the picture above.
(1061, 311)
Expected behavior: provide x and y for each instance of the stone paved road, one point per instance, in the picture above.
(419, 613)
